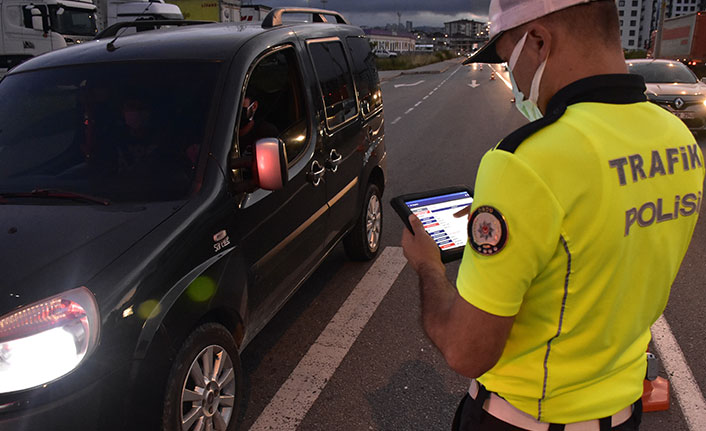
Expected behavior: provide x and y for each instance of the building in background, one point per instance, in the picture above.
(677, 8)
(410, 26)
(467, 27)
(640, 18)
(397, 41)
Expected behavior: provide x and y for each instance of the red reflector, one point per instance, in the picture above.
(39, 318)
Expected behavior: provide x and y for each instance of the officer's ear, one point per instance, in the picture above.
(539, 42)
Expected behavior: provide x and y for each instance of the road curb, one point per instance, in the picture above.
(393, 76)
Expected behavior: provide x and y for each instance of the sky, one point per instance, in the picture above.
(431, 13)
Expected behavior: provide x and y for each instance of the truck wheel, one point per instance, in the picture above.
(204, 390)
(363, 242)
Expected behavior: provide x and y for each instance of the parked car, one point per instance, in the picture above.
(674, 87)
(148, 235)
(383, 53)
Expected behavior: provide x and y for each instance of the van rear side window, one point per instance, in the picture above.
(335, 79)
(365, 74)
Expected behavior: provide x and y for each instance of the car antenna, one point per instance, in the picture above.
(111, 45)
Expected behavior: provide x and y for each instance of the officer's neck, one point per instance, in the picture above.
(568, 64)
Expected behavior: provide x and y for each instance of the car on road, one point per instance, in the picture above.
(674, 87)
(162, 195)
(383, 53)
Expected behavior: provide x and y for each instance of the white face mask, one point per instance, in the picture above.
(527, 107)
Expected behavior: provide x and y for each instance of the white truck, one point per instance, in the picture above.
(253, 13)
(32, 27)
(114, 11)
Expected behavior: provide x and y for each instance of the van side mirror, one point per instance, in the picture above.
(270, 164)
(267, 166)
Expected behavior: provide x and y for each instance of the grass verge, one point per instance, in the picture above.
(410, 61)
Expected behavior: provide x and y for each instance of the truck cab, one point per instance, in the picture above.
(112, 11)
(28, 29)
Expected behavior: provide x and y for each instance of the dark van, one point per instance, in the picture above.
(162, 194)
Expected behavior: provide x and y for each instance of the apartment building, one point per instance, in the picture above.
(467, 27)
(639, 18)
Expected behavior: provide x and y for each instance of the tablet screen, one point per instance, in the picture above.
(437, 215)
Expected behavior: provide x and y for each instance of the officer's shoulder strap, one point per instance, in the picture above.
(514, 139)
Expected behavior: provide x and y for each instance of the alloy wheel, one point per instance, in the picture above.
(208, 394)
(373, 221)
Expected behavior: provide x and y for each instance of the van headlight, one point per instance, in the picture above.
(47, 340)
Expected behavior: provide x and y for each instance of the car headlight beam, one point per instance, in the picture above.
(48, 339)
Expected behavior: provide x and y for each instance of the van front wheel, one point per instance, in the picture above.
(363, 241)
(204, 390)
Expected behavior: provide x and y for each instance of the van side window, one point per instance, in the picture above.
(365, 74)
(273, 105)
(335, 79)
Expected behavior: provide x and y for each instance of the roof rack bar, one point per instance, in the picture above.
(145, 24)
(274, 18)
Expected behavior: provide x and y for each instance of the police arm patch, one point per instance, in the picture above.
(487, 230)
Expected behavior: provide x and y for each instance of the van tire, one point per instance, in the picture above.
(205, 344)
(363, 241)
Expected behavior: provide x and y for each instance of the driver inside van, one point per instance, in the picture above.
(252, 128)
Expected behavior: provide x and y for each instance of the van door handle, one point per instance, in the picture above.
(316, 173)
(333, 161)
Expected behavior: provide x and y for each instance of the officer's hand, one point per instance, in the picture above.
(420, 249)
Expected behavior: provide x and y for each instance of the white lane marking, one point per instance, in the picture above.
(507, 83)
(427, 96)
(396, 120)
(291, 403)
(474, 84)
(409, 85)
(682, 380)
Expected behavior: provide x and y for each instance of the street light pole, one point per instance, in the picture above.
(660, 28)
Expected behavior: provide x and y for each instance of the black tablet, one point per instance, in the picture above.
(436, 209)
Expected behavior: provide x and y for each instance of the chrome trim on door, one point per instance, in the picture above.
(298, 231)
(343, 192)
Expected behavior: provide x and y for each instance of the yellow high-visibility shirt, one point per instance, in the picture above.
(579, 233)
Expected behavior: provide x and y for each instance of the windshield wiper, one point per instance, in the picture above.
(56, 194)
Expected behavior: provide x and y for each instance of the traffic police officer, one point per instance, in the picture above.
(580, 222)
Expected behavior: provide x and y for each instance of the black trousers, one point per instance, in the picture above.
(470, 416)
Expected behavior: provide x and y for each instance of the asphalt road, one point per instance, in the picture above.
(390, 377)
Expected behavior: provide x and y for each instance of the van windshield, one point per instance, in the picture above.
(129, 132)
